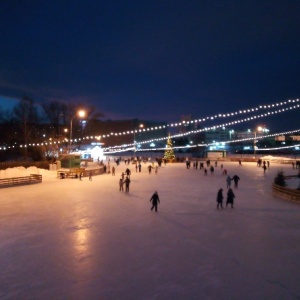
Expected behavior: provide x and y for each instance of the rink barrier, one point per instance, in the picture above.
(286, 193)
(74, 172)
(24, 180)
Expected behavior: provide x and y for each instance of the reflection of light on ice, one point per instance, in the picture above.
(81, 237)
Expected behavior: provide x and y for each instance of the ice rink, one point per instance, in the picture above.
(71, 239)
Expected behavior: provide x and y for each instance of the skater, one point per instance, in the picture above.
(149, 169)
(265, 168)
(156, 169)
(228, 181)
(240, 163)
(121, 184)
(80, 176)
(113, 171)
(220, 198)
(90, 176)
(127, 182)
(236, 179)
(128, 172)
(212, 170)
(140, 167)
(268, 164)
(205, 172)
(155, 200)
(230, 198)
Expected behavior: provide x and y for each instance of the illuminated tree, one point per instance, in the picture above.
(169, 152)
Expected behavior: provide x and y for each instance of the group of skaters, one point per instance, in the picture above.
(264, 164)
(125, 181)
(154, 199)
(209, 166)
(230, 198)
(230, 193)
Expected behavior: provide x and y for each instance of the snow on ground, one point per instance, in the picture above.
(71, 239)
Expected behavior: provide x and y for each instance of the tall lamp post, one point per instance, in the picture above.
(134, 141)
(80, 114)
(259, 128)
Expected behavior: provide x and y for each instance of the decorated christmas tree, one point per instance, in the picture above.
(169, 152)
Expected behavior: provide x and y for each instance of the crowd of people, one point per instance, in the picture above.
(205, 166)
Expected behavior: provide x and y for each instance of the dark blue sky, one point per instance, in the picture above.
(154, 60)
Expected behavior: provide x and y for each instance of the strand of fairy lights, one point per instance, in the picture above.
(124, 149)
(212, 127)
(208, 118)
(178, 124)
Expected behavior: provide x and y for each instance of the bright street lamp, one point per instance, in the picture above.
(259, 128)
(80, 114)
(134, 141)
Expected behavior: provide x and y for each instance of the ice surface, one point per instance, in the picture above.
(71, 239)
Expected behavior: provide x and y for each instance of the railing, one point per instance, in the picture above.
(14, 181)
(74, 172)
(286, 193)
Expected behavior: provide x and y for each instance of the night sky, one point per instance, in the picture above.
(153, 60)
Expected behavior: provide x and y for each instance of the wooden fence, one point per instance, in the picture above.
(286, 193)
(15, 181)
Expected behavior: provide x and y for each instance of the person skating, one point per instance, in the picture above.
(155, 200)
(230, 197)
(127, 182)
(220, 198)
(228, 181)
(128, 172)
(236, 179)
(121, 182)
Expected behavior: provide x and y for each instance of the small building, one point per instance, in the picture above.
(214, 154)
(69, 161)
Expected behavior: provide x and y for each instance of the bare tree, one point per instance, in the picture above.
(26, 115)
(55, 112)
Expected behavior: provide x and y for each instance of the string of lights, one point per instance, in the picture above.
(210, 128)
(232, 123)
(124, 149)
(210, 118)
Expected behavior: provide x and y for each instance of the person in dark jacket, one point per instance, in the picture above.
(128, 172)
(230, 197)
(236, 179)
(127, 182)
(220, 198)
(155, 200)
(121, 183)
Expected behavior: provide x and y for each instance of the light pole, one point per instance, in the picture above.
(259, 128)
(80, 114)
(134, 142)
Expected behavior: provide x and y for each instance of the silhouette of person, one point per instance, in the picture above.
(127, 182)
(155, 200)
(230, 197)
(121, 184)
(236, 179)
(220, 198)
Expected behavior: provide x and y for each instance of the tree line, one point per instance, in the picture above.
(29, 122)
